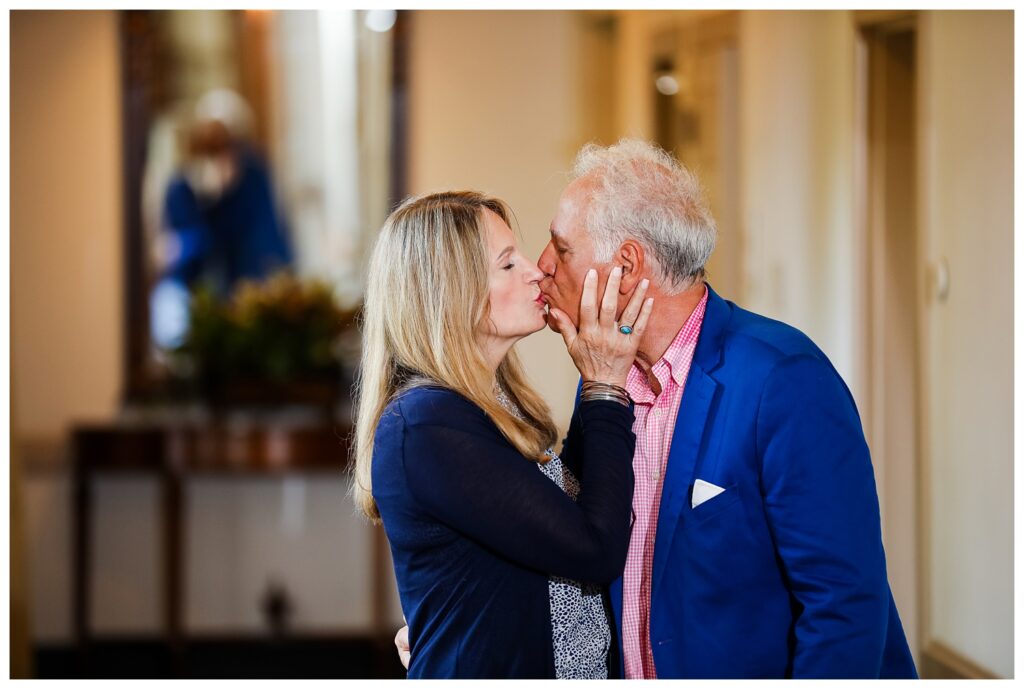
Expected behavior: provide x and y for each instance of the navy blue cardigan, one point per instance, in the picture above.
(475, 529)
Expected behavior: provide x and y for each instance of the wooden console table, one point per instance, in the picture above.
(174, 452)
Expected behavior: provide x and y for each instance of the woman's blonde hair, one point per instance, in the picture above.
(426, 296)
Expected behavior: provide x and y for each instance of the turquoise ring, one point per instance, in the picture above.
(625, 329)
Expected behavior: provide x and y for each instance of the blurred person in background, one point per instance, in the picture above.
(756, 549)
(500, 546)
(221, 221)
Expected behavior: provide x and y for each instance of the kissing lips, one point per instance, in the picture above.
(542, 301)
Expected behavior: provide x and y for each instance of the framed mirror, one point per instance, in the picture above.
(262, 150)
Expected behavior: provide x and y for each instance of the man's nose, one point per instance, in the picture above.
(545, 262)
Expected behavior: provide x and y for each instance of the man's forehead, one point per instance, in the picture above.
(565, 227)
(568, 217)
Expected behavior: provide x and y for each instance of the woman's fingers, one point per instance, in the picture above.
(597, 346)
(641, 320)
(611, 297)
(588, 300)
(636, 301)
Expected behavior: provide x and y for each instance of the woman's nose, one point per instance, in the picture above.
(533, 273)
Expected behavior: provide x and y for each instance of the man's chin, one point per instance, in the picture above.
(550, 322)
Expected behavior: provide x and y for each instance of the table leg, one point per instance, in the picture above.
(173, 569)
(81, 557)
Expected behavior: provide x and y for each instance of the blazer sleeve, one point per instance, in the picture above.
(470, 478)
(822, 510)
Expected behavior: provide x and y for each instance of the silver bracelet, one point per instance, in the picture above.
(597, 390)
(594, 397)
(593, 386)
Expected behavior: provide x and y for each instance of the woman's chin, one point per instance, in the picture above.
(538, 325)
(545, 320)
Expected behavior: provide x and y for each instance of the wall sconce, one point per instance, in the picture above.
(665, 78)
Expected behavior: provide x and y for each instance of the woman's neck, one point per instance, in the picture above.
(495, 350)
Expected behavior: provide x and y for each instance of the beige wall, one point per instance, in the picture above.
(65, 219)
(967, 117)
(66, 230)
(796, 160)
(497, 104)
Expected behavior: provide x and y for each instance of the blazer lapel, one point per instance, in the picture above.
(689, 430)
(682, 457)
(615, 593)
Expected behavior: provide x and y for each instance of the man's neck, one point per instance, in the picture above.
(667, 319)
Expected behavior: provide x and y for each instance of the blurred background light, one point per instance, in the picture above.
(380, 20)
(667, 85)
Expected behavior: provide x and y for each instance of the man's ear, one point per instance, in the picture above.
(632, 259)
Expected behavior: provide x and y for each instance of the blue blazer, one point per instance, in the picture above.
(475, 530)
(782, 574)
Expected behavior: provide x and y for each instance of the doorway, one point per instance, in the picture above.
(695, 74)
(888, 189)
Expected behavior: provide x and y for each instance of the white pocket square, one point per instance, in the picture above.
(704, 491)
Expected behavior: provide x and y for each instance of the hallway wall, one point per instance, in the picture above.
(967, 212)
(66, 225)
(533, 104)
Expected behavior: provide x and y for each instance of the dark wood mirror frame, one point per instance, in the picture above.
(145, 66)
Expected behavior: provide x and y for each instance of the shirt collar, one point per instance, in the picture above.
(673, 361)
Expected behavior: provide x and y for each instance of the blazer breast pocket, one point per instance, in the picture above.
(721, 502)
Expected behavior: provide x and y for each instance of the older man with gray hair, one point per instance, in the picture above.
(756, 546)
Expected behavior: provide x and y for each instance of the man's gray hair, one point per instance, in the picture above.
(642, 192)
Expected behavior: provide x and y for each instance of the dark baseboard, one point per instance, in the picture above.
(939, 661)
(325, 657)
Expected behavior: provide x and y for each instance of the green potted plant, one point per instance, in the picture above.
(282, 341)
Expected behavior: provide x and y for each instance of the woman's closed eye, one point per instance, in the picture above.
(508, 267)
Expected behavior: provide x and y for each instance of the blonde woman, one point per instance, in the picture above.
(501, 548)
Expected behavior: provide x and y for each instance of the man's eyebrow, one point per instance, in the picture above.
(555, 235)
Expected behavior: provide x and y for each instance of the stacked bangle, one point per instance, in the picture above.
(594, 390)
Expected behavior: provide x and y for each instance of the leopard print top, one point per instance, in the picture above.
(579, 623)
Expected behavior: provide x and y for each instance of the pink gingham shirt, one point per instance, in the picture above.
(655, 420)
